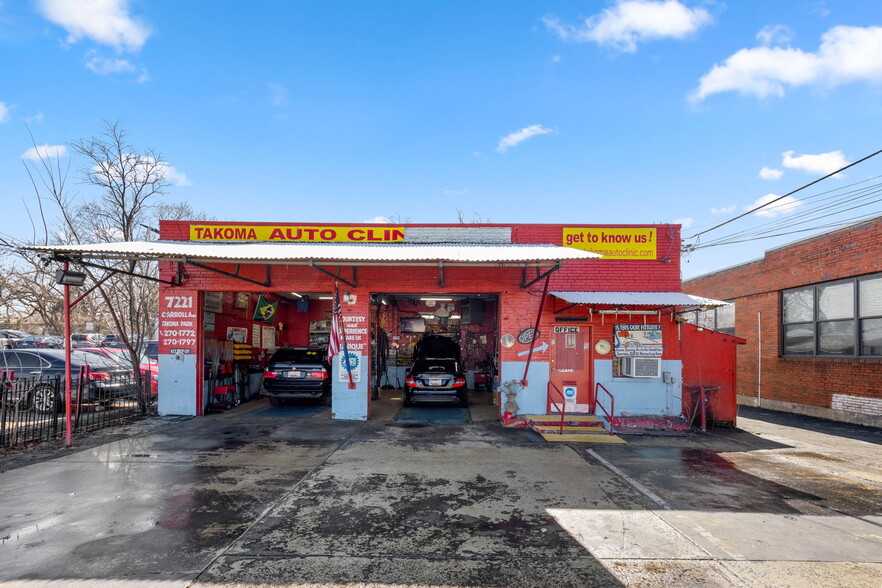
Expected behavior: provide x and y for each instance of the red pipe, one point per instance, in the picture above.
(536, 329)
(68, 433)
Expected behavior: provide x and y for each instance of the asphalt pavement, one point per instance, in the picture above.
(262, 497)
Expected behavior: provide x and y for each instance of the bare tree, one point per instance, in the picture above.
(126, 185)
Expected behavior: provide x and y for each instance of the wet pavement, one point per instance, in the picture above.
(254, 498)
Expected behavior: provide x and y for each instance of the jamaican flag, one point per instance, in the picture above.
(265, 311)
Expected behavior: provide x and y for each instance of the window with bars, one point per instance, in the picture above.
(720, 318)
(834, 319)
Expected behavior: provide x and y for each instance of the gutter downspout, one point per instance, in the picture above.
(759, 359)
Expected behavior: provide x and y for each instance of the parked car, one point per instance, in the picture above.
(39, 377)
(8, 337)
(436, 376)
(39, 342)
(86, 339)
(298, 373)
(148, 367)
(112, 341)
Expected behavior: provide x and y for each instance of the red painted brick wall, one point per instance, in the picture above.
(755, 287)
(517, 310)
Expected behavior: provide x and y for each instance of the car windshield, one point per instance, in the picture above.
(429, 365)
(298, 355)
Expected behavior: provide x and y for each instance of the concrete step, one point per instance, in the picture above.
(555, 418)
(603, 438)
(555, 428)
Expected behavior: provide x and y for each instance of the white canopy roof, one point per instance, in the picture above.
(350, 253)
(656, 299)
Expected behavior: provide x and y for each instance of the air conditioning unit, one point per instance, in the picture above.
(641, 367)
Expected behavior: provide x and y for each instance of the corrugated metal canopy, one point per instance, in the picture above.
(355, 253)
(654, 299)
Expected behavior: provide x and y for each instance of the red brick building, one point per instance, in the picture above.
(584, 316)
(811, 313)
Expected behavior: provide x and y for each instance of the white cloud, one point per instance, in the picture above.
(685, 222)
(723, 210)
(823, 163)
(107, 22)
(455, 192)
(103, 66)
(783, 206)
(768, 173)
(4, 113)
(378, 220)
(775, 35)
(517, 137)
(44, 152)
(556, 59)
(174, 176)
(846, 54)
(36, 118)
(630, 22)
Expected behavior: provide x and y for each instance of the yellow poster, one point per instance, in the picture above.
(288, 233)
(613, 243)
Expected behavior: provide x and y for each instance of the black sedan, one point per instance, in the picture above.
(39, 342)
(436, 381)
(38, 378)
(298, 373)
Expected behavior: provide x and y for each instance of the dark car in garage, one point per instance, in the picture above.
(436, 376)
(38, 378)
(298, 373)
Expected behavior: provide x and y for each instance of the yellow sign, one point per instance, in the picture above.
(613, 243)
(284, 233)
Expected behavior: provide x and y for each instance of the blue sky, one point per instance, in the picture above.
(631, 111)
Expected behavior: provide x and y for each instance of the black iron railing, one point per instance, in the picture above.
(33, 409)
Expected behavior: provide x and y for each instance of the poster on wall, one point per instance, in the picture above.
(214, 301)
(255, 336)
(269, 337)
(208, 321)
(354, 366)
(237, 334)
(635, 340)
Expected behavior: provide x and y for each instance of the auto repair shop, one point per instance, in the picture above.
(585, 315)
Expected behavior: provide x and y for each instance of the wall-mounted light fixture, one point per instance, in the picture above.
(69, 278)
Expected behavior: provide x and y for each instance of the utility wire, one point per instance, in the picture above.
(823, 210)
(696, 235)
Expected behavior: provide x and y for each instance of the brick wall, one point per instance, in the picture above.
(755, 288)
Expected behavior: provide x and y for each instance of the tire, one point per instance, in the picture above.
(275, 401)
(45, 400)
(407, 402)
(327, 400)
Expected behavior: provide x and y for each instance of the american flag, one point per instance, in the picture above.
(335, 341)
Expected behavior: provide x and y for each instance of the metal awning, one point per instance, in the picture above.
(653, 299)
(303, 253)
(440, 255)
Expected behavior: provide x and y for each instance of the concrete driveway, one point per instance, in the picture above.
(253, 498)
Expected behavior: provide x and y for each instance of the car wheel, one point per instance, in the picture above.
(326, 400)
(45, 400)
(408, 402)
(275, 401)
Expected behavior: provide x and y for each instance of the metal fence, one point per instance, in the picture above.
(33, 409)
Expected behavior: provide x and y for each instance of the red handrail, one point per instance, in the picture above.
(612, 405)
(563, 404)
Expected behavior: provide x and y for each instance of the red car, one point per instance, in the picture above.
(149, 367)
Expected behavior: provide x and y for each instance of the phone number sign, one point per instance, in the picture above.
(178, 322)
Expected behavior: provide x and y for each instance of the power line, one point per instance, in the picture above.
(695, 236)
